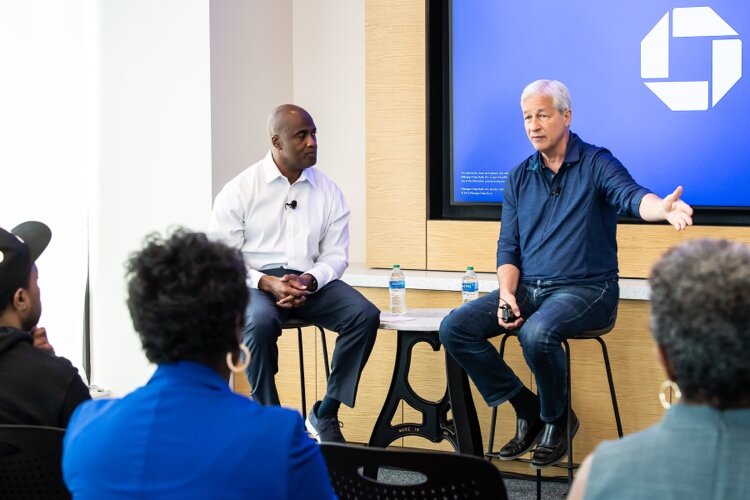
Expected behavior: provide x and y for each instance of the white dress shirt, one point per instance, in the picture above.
(250, 213)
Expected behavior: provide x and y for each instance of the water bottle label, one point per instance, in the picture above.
(396, 284)
(470, 287)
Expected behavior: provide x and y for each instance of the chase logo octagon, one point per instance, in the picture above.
(726, 58)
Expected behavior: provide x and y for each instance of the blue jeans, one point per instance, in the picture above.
(552, 313)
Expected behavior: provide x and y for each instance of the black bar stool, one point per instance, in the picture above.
(570, 466)
(299, 325)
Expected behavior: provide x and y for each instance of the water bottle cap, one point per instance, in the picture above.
(469, 268)
(396, 266)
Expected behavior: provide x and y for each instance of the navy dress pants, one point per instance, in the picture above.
(336, 307)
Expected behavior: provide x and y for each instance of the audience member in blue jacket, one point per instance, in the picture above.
(185, 434)
(700, 320)
(556, 269)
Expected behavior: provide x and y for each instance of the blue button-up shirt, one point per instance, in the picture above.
(563, 230)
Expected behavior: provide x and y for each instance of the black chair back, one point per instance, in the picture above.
(409, 474)
(31, 462)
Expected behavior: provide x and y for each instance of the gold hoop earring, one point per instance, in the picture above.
(240, 367)
(676, 394)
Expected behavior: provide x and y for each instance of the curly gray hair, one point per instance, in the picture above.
(700, 316)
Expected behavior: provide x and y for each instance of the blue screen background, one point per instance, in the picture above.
(498, 47)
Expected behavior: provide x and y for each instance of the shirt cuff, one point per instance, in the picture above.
(635, 202)
(253, 277)
(323, 274)
(508, 258)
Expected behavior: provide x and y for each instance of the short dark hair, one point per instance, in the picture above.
(186, 295)
(700, 316)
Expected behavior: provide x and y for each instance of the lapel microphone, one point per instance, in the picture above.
(292, 204)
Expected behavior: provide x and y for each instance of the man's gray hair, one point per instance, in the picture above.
(700, 316)
(552, 88)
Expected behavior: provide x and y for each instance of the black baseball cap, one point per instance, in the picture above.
(19, 249)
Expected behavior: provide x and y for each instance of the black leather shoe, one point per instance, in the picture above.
(553, 446)
(526, 436)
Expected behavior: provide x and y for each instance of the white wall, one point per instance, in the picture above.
(329, 81)
(155, 157)
(48, 146)
(251, 73)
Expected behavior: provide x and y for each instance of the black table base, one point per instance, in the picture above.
(462, 431)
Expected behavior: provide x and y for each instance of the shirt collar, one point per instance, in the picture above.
(272, 172)
(572, 153)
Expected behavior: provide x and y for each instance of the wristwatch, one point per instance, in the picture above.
(313, 286)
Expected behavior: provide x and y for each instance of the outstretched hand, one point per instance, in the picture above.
(677, 212)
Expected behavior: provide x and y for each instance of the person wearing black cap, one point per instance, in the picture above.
(38, 387)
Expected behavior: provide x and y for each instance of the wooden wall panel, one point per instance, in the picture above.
(636, 372)
(452, 244)
(395, 133)
(640, 245)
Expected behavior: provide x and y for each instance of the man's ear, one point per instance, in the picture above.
(21, 300)
(276, 142)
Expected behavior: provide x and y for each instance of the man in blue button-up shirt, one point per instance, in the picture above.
(556, 269)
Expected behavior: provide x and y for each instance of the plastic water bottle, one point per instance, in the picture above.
(469, 285)
(397, 288)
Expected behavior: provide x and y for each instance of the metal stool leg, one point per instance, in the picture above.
(302, 372)
(607, 366)
(569, 438)
(538, 484)
(569, 430)
(292, 324)
(325, 351)
(493, 420)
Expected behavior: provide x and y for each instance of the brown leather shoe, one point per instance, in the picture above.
(526, 436)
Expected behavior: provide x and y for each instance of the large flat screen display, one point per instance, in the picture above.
(661, 84)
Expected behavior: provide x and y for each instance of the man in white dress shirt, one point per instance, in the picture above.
(291, 223)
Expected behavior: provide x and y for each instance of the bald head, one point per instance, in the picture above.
(293, 139)
(281, 116)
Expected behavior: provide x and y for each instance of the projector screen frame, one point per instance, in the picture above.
(439, 137)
